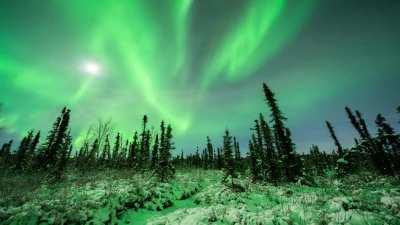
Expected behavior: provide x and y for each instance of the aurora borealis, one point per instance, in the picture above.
(198, 64)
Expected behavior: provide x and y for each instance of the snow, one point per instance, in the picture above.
(199, 197)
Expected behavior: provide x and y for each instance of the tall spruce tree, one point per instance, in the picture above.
(144, 145)
(271, 164)
(46, 153)
(34, 144)
(106, 152)
(5, 154)
(294, 164)
(133, 148)
(154, 153)
(363, 125)
(373, 148)
(116, 150)
(277, 118)
(165, 170)
(335, 139)
(54, 142)
(220, 161)
(229, 163)
(283, 142)
(390, 141)
(355, 123)
(92, 153)
(238, 157)
(22, 152)
(210, 150)
(65, 151)
(254, 169)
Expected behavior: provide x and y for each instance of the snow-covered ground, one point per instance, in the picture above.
(199, 197)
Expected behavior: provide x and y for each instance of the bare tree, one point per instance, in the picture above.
(102, 129)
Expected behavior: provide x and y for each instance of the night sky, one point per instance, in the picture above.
(198, 64)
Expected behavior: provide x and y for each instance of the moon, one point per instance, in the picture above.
(91, 68)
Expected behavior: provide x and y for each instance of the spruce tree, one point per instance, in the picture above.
(165, 170)
(238, 158)
(389, 140)
(133, 148)
(271, 162)
(363, 125)
(293, 161)
(46, 153)
(106, 154)
(210, 150)
(229, 163)
(283, 142)
(34, 144)
(154, 153)
(116, 150)
(254, 169)
(335, 139)
(277, 118)
(257, 141)
(55, 141)
(219, 159)
(22, 152)
(373, 148)
(144, 145)
(355, 123)
(92, 153)
(65, 152)
(5, 154)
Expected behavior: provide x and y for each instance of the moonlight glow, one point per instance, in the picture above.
(91, 68)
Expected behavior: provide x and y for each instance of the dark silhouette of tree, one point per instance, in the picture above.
(154, 153)
(238, 157)
(335, 139)
(229, 163)
(254, 169)
(65, 151)
(165, 170)
(363, 125)
(116, 150)
(106, 153)
(220, 161)
(283, 142)
(92, 154)
(133, 151)
(47, 151)
(210, 151)
(33, 145)
(277, 118)
(55, 141)
(293, 161)
(271, 166)
(22, 152)
(317, 161)
(369, 144)
(390, 141)
(355, 122)
(144, 145)
(257, 142)
(5, 154)
(101, 130)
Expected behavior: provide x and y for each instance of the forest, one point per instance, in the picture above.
(110, 179)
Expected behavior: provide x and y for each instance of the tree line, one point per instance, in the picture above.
(271, 155)
(146, 151)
